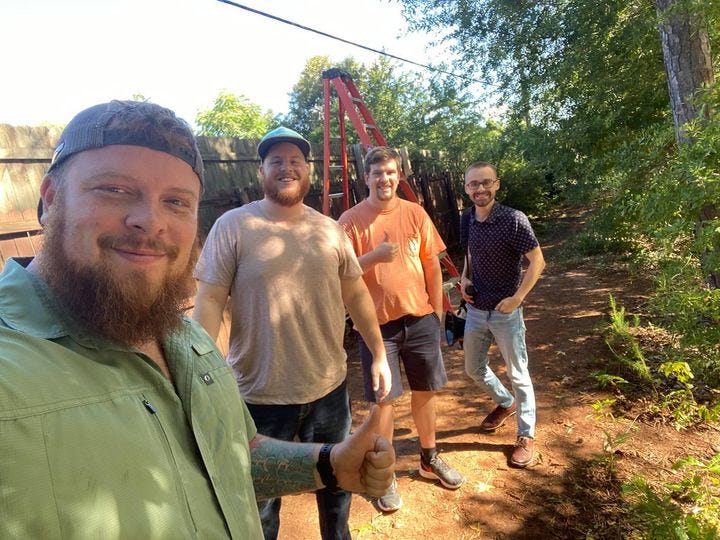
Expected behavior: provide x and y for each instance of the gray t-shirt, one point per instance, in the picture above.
(288, 317)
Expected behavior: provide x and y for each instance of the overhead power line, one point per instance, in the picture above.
(337, 38)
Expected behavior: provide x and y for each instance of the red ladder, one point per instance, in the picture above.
(350, 103)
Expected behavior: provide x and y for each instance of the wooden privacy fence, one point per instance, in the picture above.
(231, 180)
(25, 153)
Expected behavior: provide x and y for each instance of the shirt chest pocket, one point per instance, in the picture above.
(411, 245)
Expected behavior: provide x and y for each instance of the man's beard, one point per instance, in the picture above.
(272, 192)
(380, 193)
(128, 312)
(490, 198)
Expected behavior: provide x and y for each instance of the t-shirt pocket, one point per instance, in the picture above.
(412, 245)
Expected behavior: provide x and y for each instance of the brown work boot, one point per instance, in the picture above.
(497, 418)
(522, 454)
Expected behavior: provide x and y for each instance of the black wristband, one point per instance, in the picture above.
(324, 468)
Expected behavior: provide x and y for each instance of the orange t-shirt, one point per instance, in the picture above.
(397, 288)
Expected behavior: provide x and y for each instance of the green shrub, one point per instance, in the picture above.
(687, 509)
(650, 362)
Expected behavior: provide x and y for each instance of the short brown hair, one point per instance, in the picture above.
(480, 165)
(381, 154)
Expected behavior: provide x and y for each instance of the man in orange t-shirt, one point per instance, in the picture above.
(397, 247)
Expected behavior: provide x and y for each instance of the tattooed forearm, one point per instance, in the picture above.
(281, 467)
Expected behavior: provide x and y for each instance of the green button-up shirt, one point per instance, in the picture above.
(96, 443)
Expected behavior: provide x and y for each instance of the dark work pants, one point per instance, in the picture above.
(325, 420)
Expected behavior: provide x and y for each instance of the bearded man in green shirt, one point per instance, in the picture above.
(118, 416)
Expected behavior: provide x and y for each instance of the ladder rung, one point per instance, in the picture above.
(356, 99)
(370, 126)
(336, 167)
(336, 195)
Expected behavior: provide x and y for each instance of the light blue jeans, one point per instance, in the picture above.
(508, 329)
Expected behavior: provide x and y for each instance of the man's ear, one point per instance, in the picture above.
(48, 191)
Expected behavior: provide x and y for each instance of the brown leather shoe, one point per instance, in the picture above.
(522, 454)
(497, 418)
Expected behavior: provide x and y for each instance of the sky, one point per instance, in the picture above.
(61, 56)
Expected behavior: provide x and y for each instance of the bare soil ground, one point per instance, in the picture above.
(563, 493)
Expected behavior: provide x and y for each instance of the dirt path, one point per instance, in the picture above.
(557, 496)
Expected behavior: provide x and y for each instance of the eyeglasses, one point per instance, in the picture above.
(487, 184)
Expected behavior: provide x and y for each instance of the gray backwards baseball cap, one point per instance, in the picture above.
(136, 123)
(282, 134)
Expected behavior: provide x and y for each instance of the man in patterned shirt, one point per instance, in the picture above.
(497, 237)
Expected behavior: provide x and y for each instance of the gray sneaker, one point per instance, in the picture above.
(391, 501)
(437, 469)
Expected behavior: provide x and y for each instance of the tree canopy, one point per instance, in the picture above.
(410, 110)
(234, 115)
(586, 73)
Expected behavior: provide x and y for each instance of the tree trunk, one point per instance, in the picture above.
(688, 63)
(707, 213)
